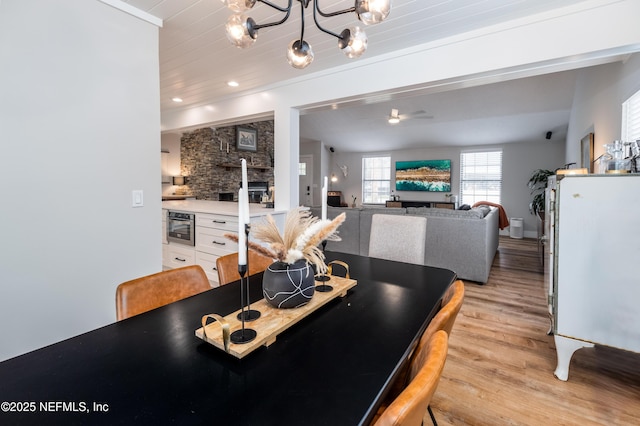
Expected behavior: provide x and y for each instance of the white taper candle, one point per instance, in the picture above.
(245, 193)
(324, 199)
(242, 237)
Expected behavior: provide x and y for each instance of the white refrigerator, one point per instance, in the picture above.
(594, 263)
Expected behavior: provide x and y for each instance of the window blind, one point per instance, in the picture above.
(376, 175)
(631, 118)
(480, 177)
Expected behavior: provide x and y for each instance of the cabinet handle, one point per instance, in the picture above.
(218, 243)
(214, 268)
(219, 221)
(180, 260)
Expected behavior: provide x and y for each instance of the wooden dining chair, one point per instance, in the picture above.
(409, 408)
(397, 237)
(227, 266)
(443, 320)
(152, 291)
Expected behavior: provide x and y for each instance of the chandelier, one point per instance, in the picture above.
(242, 31)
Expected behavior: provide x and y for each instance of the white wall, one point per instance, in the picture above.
(519, 161)
(80, 120)
(597, 105)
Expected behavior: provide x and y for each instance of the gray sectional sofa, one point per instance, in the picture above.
(462, 241)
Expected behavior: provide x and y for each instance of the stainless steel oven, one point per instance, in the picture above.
(181, 228)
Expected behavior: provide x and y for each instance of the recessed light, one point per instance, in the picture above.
(176, 99)
(233, 83)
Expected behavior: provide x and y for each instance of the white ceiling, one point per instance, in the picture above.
(513, 111)
(196, 61)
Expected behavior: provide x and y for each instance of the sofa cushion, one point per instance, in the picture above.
(483, 209)
(475, 213)
(418, 210)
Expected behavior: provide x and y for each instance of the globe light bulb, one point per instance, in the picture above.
(239, 31)
(239, 6)
(299, 54)
(372, 11)
(353, 42)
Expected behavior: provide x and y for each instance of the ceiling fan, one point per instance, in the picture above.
(395, 117)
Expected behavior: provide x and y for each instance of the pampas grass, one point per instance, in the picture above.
(300, 239)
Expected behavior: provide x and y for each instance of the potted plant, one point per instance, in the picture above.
(537, 183)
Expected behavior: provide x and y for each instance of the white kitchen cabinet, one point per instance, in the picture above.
(223, 222)
(178, 255)
(208, 263)
(211, 242)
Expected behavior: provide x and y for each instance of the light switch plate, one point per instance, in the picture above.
(137, 198)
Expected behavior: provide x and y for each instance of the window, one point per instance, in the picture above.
(480, 177)
(631, 119)
(376, 178)
(302, 169)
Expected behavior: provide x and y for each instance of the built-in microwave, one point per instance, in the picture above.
(181, 228)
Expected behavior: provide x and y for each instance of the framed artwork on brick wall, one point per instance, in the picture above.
(246, 139)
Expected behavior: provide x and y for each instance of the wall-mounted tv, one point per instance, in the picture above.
(423, 175)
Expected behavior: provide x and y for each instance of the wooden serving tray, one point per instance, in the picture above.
(272, 321)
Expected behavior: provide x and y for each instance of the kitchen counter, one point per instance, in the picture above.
(217, 207)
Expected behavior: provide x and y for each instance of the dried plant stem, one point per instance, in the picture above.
(328, 232)
(254, 246)
(302, 235)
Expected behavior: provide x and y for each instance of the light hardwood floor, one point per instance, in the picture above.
(500, 365)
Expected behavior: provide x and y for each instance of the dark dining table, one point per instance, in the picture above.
(331, 368)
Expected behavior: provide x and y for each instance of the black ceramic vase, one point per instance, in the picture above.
(287, 285)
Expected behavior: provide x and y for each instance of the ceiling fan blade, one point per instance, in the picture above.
(413, 114)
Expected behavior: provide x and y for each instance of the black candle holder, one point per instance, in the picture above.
(249, 314)
(244, 335)
(323, 288)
